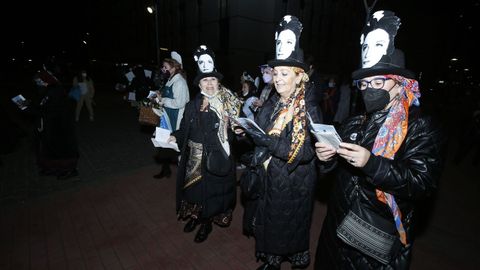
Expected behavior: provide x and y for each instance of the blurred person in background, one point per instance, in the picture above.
(173, 98)
(87, 91)
(57, 149)
(268, 90)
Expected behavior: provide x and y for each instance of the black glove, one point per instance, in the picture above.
(261, 139)
(260, 154)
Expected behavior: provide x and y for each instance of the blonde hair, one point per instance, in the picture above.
(305, 78)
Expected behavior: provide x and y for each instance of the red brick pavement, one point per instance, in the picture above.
(126, 221)
(119, 217)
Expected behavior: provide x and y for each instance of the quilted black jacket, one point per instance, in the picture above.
(283, 216)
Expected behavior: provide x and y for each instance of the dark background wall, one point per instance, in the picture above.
(240, 31)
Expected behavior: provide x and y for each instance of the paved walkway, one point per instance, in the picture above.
(114, 215)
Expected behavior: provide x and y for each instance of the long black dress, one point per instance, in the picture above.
(203, 195)
(57, 148)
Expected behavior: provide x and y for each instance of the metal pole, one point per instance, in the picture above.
(157, 45)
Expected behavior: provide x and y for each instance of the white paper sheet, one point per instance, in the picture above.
(130, 76)
(20, 101)
(161, 139)
(148, 73)
(152, 94)
(247, 123)
(325, 133)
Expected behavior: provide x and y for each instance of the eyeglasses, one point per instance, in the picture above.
(375, 83)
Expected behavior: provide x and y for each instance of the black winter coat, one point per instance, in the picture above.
(216, 194)
(57, 140)
(410, 176)
(283, 216)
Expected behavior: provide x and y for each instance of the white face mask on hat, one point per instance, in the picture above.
(285, 44)
(205, 63)
(374, 47)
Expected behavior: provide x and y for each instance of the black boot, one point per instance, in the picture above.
(67, 174)
(203, 232)
(166, 172)
(267, 266)
(191, 225)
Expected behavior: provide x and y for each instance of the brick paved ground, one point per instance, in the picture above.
(114, 215)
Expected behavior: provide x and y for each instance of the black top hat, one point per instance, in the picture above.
(205, 59)
(393, 60)
(287, 40)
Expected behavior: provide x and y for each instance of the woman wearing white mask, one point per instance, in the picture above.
(206, 181)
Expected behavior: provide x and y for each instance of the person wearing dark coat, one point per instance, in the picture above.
(206, 178)
(57, 147)
(284, 157)
(389, 161)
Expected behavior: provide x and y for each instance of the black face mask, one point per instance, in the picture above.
(375, 99)
(166, 74)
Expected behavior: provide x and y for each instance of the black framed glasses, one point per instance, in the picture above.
(375, 83)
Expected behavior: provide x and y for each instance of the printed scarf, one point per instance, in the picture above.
(225, 105)
(390, 137)
(293, 109)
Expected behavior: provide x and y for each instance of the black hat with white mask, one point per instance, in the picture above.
(379, 55)
(205, 59)
(287, 44)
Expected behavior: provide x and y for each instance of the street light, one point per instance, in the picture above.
(151, 10)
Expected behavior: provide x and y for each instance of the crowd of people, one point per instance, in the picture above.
(390, 157)
(52, 106)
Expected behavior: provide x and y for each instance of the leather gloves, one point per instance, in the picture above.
(260, 154)
(261, 139)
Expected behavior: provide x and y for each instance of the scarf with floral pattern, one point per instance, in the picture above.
(391, 135)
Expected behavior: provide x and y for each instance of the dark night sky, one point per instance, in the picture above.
(43, 27)
(430, 32)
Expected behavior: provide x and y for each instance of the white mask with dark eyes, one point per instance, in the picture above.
(374, 47)
(286, 42)
(205, 63)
